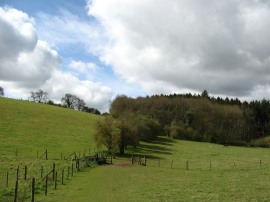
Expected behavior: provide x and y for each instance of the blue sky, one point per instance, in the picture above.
(98, 49)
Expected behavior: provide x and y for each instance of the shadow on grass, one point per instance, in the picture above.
(129, 155)
(151, 149)
(162, 141)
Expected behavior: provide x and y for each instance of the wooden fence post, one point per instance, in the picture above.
(186, 165)
(33, 190)
(7, 180)
(46, 185)
(55, 181)
(68, 173)
(53, 171)
(16, 191)
(25, 172)
(41, 172)
(63, 176)
(17, 173)
(145, 161)
(46, 154)
(77, 165)
(72, 169)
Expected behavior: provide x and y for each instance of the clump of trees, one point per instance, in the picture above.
(72, 102)
(190, 117)
(68, 101)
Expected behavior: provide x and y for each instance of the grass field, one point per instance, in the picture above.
(175, 170)
(235, 175)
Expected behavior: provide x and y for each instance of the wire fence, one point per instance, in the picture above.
(186, 164)
(27, 180)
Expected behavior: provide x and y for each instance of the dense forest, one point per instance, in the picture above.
(190, 117)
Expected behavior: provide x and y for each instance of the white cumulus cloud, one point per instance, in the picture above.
(28, 64)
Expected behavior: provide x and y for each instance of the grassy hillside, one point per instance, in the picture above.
(27, 129)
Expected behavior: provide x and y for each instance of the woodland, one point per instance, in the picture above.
(186, 117)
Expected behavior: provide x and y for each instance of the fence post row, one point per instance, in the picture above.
(46, 177)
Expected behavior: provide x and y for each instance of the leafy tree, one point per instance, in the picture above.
(73, 102)
(107, 134)
(205, 94)
(40, 96)
(1, 91)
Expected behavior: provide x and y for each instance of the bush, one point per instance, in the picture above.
(262, 142)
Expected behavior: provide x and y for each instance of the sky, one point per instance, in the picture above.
(98, 49)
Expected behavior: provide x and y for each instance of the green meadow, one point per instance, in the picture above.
(175, 170)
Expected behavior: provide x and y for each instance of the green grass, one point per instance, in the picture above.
(215, 172)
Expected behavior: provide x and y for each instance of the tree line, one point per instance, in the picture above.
(68, 101)
(184, 116)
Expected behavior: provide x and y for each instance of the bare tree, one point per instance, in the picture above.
(40, 96)
(1, 91)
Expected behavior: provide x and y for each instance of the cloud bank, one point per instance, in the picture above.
(188, 45)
